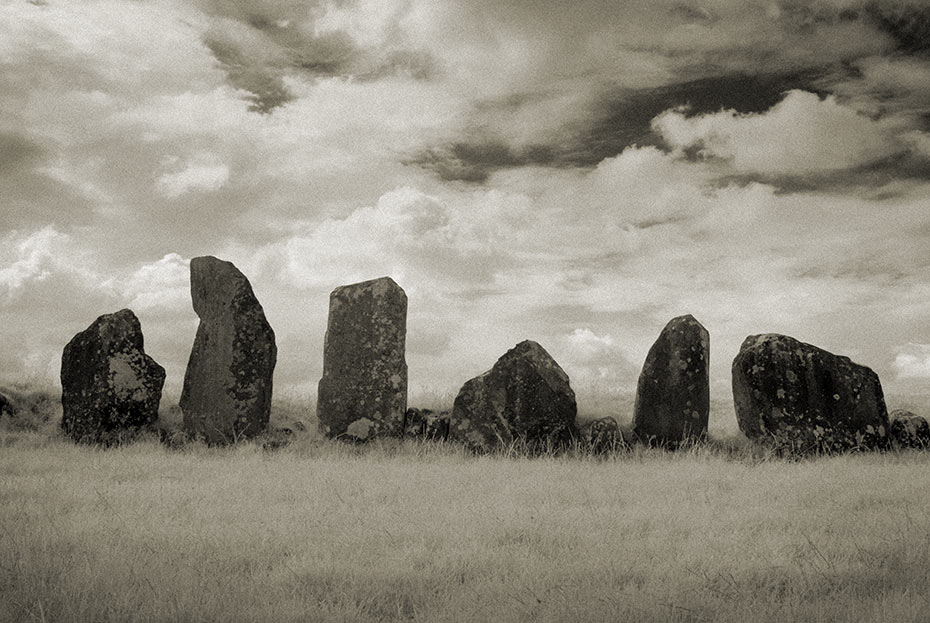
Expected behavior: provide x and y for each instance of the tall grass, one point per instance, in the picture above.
(427, 532)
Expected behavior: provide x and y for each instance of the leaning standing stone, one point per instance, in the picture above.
(109, 386)
(805, 399)
(526, 396)
(227, 386)
(363, 391)
(673, 395)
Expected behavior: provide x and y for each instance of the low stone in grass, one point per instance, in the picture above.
(110, 388)
(603, 435)
(525, 397)
(426, 424)
(363, 391)
(804, 399)
(228, 382)
(673, 393)
(908, 430)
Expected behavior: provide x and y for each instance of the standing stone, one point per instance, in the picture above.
(805, 399)
(673, 394)
(227, 386)
(525, 397)
(908, 430)
(109, 386)
(363, 391)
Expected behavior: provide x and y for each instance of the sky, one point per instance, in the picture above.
(572, 173)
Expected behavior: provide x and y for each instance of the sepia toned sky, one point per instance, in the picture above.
(573, 173)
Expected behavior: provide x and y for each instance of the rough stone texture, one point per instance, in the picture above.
(109, 386)
(228, 383)
(363, 391)
(908, 430)
(603, 435)
(525, 397)
(426, 424)
(6, 406)
(673, 394)
(805, 399)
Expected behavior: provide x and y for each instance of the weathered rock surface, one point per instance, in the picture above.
(6, 406)
(109, 386)
(363, 391)
(228, 382)
(426, 424)
(603, 435)
(908, 430)
(673, 394)
(526, 396)
(805, 399)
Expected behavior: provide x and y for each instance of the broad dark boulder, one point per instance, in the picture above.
(363, 391)
(804, 399)
(110, 389)
(228, 382)
(908, 430)
(426, 424)
(525, 397)
(673, 394)
(603, 435)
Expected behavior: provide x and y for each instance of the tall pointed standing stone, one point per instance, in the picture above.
(227, 386)
(673, 394)
(363, 392)
(109, 386)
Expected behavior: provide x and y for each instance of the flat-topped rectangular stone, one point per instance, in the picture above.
(363, 391)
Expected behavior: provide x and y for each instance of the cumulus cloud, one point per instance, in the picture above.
(913, 362)
(801, 134)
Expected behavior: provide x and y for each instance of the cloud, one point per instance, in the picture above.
(801, 134)
(159, 287)
(913, 362)
(203, 172)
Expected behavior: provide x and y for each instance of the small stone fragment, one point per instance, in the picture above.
(673, 393)
(110, 388)
(363, 391)
(908, 430)
(426, 424)
(603, 435)
(228, 382)
(525, 397)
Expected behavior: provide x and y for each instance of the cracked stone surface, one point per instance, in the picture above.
(526, 396)
(363, 390)
(228, 382)
(109, 386)
(673, 393)
(806, 399)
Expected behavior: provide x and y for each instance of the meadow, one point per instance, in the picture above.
(412, 531)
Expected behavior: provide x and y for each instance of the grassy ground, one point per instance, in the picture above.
(409, 532)
(405, 531)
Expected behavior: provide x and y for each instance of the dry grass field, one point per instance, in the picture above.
(406, 531)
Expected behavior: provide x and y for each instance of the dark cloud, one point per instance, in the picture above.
(621, 119)
(266, 87)
(18, 153)
(873, 179)
(908, 25)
